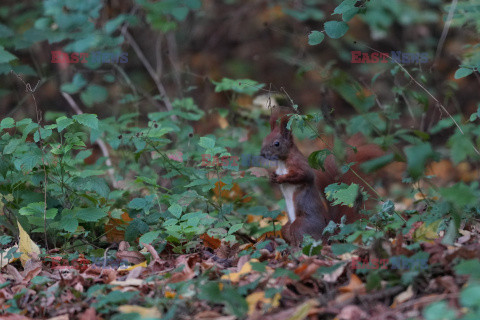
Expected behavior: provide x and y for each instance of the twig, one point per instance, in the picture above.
(100, 142)
(28, 89)
(153, 74)
(445, 29)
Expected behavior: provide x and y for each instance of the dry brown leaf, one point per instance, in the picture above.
(210, 242)
(355, 285)
(403, 296)
(61, 317)
(89, 314)
(134, 257)
(351, 312)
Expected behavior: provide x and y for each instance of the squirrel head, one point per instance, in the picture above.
(277, 145)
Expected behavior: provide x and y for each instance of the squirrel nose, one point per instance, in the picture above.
(262, 154)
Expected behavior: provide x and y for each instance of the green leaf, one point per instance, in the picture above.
(341, 248)
(7, 123)
(87, 119)
(317, 159)
(149, 237)
(335, 29)
(245, 86)
(377, 163)
(235, 228)
(463, 72)
(345, 6)
(69, 224)
(315, 37)
(135, 229)
(6, 56)
(417, 157)
(11, 146)
(37, 209)
(176, 210)
(63, 122)
(439, 311)
(94, 94)
(206, 142)
(470, 296)
(459, 194)
(342, 193)
(91, 214)
(42, 132)
(469, 267)
(144, 204)
(78, 82)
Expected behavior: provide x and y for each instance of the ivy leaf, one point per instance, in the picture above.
(315, 37)
(335, 29)
(87, 119)
(463, 72)
(317, 159)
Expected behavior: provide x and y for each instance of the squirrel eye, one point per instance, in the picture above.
(276, 144)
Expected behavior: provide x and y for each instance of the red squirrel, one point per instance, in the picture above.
(303, 187)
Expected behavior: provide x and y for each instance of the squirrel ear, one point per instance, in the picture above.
(273, 120)
(283, 127)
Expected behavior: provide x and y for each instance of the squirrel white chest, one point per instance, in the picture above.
(288, 190)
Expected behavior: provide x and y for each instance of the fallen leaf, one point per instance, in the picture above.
(351, 312)
(210, 242)
(235, 276)
(130, 268)
(256, 298)
(145, 313)
(355, 285)
(403, 296)
(26, 246)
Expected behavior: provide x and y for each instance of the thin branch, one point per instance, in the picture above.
(151, 71)
(446, 27)
(99, 142)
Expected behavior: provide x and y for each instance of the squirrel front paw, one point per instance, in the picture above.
(274, 177)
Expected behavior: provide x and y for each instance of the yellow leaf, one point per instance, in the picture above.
(427, 233)
(256, 297)
(145, 313)
(27, 246)
(143, 264)
(235, 276)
